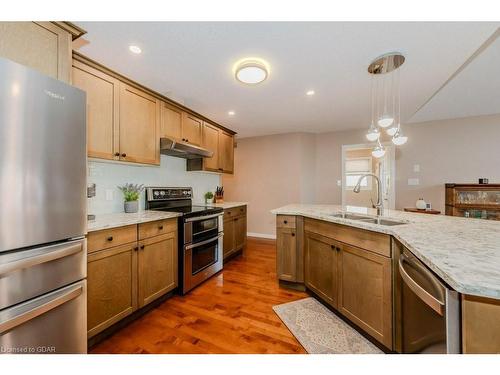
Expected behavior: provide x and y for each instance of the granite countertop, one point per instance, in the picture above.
(464, 252)
(106, 221)
(225, 205)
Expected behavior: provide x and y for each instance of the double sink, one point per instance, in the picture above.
(368, 219)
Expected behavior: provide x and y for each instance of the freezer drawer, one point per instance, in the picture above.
(53, 323)
(30, 273)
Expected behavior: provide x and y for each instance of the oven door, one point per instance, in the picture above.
(200, 228)
(201, 260)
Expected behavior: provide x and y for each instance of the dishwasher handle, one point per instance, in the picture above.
(431, 301)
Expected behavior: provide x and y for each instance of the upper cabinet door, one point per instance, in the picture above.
(226, 152)
(210, 141)
(39, 45)
(102, 110)
(139, 126)
(171, 121)
(191, 129)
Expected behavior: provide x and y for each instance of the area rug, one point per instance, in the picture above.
(320, 331)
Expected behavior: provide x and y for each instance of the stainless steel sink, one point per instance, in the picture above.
(368, 219)
(380, 221)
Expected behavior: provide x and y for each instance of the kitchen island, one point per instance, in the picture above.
(464, 253)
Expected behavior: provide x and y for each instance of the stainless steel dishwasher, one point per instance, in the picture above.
(427, 311)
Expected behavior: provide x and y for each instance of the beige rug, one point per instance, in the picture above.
(320, 331)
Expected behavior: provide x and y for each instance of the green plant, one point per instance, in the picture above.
(131, 192)
(209, 195)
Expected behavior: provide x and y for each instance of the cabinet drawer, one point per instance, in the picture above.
(285, 221)
(107, 238)
(155, 228)
(232, 212)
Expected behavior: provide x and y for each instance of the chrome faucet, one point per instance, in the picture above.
(379, 205)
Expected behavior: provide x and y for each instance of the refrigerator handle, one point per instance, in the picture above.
(59, 251)
(32, 313)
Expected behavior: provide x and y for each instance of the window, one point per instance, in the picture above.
(354, 169)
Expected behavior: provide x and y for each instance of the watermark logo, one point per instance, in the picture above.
(27, 349)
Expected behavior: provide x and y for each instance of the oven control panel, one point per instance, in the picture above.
(159, 193)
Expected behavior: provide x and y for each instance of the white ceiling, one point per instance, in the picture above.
(475, 91)
(192, 62)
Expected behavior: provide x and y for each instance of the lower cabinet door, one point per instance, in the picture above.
(229, 239)
(286, 259)
(240, 232)
(320, 263)
(111, 286)
(157, 264)
(365, 292)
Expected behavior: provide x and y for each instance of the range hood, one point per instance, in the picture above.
(172, 147)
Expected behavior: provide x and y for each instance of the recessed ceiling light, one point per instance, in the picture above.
(231, 113)
(310, 93)
(134, 49)
(251, 70)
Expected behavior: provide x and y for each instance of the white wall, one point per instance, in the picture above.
(171, 172)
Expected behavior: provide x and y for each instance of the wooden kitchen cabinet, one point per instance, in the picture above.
(365, 291)
(480, 325)
(286, 243)
(44, 46)
(123, 277)
(102, 110)
(191, 129)
(139, 126)
(235, 231)
(210, 141)
(111, 286)
(226, 152)
(171, 121)
(321, 267)
(157, 265)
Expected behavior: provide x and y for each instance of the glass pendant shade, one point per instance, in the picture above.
(378, 151)
(373, 133)
(385, 121)
(392, 130)
(399, 139)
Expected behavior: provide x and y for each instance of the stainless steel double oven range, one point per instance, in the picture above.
(200, 234)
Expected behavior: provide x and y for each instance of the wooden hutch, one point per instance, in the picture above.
(481, 201)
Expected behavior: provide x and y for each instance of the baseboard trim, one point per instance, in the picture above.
(262, 235)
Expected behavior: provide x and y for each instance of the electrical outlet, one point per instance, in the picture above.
(416, 168)
(109, 194)
(413, 181)
(339, 182)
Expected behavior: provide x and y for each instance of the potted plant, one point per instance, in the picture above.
(131, 194)
(209, 196)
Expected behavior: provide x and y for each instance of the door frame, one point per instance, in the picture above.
(391, 149)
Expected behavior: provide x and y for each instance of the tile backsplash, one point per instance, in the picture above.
(171, 172)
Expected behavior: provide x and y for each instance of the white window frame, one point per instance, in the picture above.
(368, 180)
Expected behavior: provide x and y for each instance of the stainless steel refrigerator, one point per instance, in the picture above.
(42, 213)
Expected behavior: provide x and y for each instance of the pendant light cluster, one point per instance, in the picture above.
(385, 102)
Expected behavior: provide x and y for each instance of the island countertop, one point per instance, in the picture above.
(120, 219)
(464, 252)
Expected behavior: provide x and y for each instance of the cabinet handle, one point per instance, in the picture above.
(110, 238)
(160, 227)
(136, 248)
(338, 248)
(333, 247)
(123, 155)
(142, 247)
(236, 219)
(220, 169)
(293, 234)
(117, 154)
(285, 222)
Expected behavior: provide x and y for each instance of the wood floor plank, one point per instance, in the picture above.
(229, 313)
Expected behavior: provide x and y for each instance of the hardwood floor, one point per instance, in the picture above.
(230, 313)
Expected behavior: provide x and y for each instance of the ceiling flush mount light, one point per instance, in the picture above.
(251, 71)
(310, 93)
(231, 113)
(135, 49)
(385, 101)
